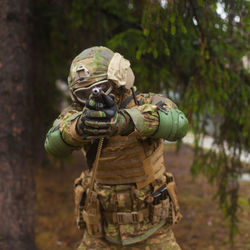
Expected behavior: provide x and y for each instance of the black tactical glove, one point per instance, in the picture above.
(102, 119)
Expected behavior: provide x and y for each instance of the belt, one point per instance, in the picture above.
(126, 217)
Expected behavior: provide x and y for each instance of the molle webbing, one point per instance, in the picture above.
(126, 160)
(124, 218)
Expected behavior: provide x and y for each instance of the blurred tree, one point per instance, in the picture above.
(16, 128)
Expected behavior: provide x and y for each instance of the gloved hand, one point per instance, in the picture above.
(102, 119)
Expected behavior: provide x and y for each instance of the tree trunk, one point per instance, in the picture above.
(16, 175)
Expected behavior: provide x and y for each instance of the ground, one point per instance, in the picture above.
(202, 227)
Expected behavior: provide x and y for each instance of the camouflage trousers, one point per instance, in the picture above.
(163, 239)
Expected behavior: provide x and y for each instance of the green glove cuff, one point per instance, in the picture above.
(55, 145)
(173, 125)
(137, 118)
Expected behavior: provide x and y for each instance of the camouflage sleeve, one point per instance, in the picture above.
(145, 119)
(158, 117)
(67, 128)
(62, 138)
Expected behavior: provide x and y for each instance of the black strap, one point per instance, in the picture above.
(161, 108)
(134, 96)
(128, 100)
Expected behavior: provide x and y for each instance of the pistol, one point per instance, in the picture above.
(160, 194)
(96, 92)
(101, 98)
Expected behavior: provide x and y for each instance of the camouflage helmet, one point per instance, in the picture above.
(98, 66)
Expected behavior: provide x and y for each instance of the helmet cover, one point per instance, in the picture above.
(95, 66)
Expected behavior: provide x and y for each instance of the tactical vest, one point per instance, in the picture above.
(127, 159)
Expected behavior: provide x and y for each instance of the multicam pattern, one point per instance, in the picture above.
(65, 127)
(95, 60)
(150, 119)
(147, 113)
(124, 198)
(163, 239)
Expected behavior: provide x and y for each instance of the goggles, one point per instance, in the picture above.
(83, 93)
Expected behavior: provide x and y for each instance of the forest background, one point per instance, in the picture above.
(194, 51)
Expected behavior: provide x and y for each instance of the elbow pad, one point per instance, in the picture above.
(55, 145)
(173, 125)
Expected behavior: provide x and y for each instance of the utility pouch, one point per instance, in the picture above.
(156, 206)
(155, 213)
(175, 209)
(165, 204)
(165, 208)
(92, 216)
(80, 197)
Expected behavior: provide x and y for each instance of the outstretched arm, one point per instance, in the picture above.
(62, 138)
(159, 118)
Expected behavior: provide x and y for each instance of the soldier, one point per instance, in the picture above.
(126, 200)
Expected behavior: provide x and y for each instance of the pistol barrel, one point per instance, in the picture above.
(96, 92)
